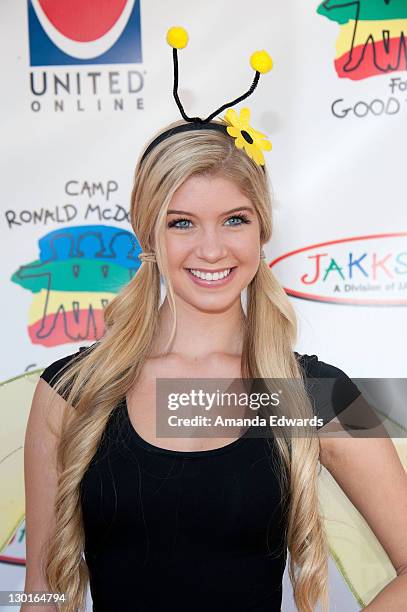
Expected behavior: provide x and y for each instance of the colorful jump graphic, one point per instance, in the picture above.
(79, 271)
(372, 37)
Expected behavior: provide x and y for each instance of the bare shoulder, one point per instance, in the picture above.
(40, 477)
(46, 415)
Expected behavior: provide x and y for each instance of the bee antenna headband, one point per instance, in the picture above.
(238, 127)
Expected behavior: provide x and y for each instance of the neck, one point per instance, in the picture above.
(200, 334)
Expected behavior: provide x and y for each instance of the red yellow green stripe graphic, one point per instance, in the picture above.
(372, 36)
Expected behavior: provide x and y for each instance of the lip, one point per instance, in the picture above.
(207, 283)
(211, 270)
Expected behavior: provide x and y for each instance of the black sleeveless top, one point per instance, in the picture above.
(187, 531)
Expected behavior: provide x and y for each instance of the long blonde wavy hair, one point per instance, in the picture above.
(95, 384)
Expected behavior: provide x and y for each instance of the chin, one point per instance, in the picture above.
(212, 303)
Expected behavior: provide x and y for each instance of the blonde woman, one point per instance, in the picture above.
(193, 523)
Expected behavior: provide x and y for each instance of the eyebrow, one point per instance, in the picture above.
(184, 212)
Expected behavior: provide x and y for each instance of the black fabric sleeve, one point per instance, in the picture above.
(52, 373)
(329, 388)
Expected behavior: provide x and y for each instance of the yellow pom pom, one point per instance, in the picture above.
(261, 61)
(177, 37)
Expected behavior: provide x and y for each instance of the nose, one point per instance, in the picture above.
(211, 247)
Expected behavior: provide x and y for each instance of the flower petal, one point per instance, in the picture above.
(258, 134)
(245, 117)
(231, 117)
(240, 142)
(264, 144)
(232, 131)
(249, 149)
(258, 156)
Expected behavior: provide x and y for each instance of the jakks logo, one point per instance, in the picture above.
(72, 32)
(358, 271)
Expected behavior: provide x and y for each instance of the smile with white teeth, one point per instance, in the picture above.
(209, 276)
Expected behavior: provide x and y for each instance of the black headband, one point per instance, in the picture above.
(185, 127)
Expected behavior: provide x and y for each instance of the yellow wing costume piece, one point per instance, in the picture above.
(15, 401)
(357, 553)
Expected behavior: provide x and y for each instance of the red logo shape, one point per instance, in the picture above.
(83, 20)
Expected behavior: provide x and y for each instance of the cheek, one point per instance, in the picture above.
(250, 236)
(175, 250)
(248, 246)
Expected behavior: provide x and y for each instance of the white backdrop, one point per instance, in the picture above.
(336, 169)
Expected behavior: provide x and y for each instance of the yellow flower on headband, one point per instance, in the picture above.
(245, 136)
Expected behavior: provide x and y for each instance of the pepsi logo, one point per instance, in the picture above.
(71, 32)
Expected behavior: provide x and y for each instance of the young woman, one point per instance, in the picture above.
(193, 523)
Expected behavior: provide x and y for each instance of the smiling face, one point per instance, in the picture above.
(211, 228)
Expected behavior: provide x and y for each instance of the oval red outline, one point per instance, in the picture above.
(342, 301)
